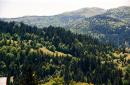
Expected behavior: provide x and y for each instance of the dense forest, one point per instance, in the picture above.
(113, 25)
(54, 56)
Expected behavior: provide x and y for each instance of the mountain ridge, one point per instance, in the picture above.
(111, 22)
(61, 20)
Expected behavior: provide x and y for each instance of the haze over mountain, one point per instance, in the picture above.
(87, 12)
(61, 19)
(74, 16)
(95, 21)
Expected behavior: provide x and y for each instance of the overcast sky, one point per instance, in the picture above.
(18, 8)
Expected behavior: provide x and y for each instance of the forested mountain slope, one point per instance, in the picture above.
(112, 25)
(54, 56)
(103, 27)
(106, 25)
(122, 13)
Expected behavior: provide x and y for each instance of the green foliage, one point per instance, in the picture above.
(33, 56)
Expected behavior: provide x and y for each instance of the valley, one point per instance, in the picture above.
(89, 46)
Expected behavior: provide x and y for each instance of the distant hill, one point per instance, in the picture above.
(113, 25)
(112, 18)
(100, 23)
(87, 12)
(120, 13)
(58, 20)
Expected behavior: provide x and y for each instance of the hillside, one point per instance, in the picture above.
(113, 24)
(106, 25)
(122, 13)
(53, 55)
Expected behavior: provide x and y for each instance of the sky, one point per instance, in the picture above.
(19, 8)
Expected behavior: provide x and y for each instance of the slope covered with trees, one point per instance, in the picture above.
(107, 25)
(53, 56)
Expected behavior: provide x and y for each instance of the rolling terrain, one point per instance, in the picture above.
(52, 55)
(82, 47)
(103, 24)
